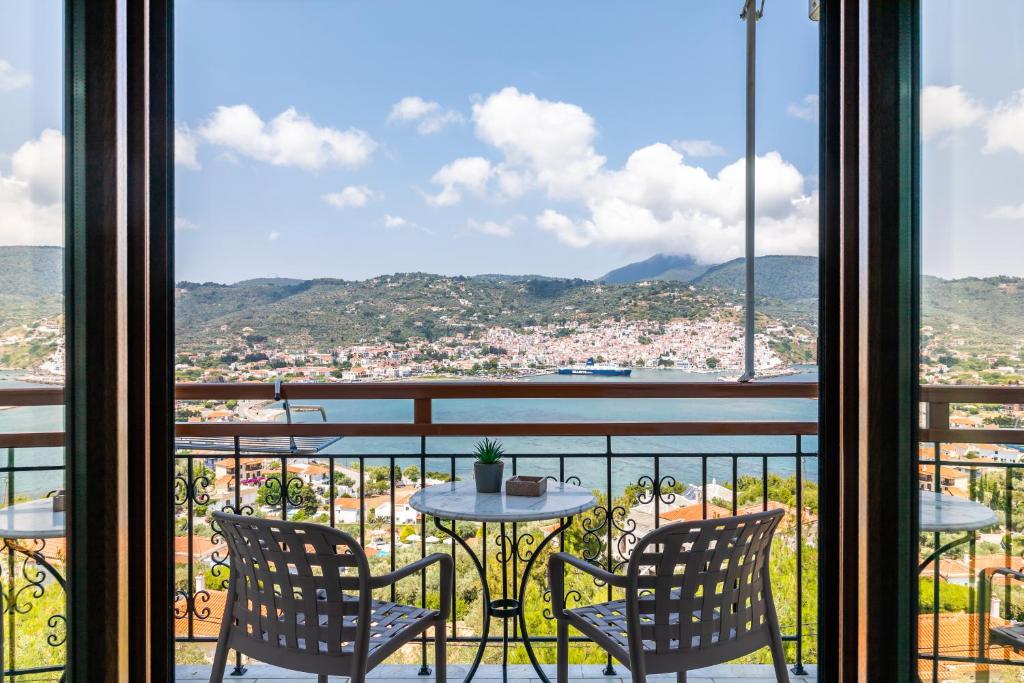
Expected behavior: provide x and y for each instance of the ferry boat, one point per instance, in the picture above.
(592, 368)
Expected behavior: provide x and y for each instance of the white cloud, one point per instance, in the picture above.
(182, 223)
(31, 198)
(493, 228)
(655, 201)
(273, 236)
(353, 195)
(806, 109)
(947, 108)
(1005, 128)
(467, 173)
(289, 139)
(11, 78)
(698, 148)
(547, 144)
(186, 146)
(431, 116)
(392, 222)
(1008, 213)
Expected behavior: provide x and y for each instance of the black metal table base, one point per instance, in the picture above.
(36, 555)
(505, 607)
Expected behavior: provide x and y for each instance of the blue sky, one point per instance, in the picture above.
(349, 139)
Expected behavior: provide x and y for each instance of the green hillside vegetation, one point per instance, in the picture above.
(405, 305)
(31, 284)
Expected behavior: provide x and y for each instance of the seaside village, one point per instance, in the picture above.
(695, 346)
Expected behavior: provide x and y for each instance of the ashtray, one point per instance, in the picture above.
(526, 486)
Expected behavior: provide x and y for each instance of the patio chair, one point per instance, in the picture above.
(1008, 635)
(696, 594)
(300, 597)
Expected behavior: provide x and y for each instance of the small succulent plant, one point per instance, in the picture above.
(488, 452)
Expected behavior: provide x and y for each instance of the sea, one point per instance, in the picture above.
(584, 458)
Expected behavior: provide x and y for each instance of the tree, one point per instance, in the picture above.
(412, 473)
(711, 362)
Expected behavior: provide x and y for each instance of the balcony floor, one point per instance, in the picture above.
(518, 673)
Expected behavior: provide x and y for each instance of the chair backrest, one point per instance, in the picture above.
(700, 585)
(296, 586)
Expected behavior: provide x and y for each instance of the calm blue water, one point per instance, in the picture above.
(33, 419)
(632, 455)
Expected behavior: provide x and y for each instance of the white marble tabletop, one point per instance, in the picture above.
(459, 500)
(34, 519)
(941, 512)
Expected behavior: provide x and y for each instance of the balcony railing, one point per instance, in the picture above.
(646, 473)
(965, 452)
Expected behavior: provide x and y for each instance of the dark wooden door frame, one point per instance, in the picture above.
(150, 252)
(876, 326)
(119, 313)
(96, 382)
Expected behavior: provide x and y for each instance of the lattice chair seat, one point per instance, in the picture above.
(388, 620)
(608, 620)
(301, 597)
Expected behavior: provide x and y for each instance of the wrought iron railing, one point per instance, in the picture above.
(649, 458)
(32, 598)
(592, 453)
(991, 464)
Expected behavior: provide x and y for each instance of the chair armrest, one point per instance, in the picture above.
(447, 572)
(556, 577)
(565, 558)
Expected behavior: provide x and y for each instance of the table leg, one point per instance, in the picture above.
(942, 549)
(530, 558)
(486, 595)
(36, 555)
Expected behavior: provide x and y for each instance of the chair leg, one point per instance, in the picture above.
(778, 652)
(440, 653)
(220, 661)
(322, 678)
(562, 652)
(680, 677)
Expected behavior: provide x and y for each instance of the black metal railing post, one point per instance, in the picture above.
(798, 666)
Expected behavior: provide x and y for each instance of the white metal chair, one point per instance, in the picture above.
(697, 594)
(300, 597)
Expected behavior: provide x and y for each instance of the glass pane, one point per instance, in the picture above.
(31, 335)
(507, 192)
(972, 335)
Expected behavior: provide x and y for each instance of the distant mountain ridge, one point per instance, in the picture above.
(658, 267)
(987, 312)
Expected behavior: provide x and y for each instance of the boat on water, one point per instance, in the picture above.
(592, 368)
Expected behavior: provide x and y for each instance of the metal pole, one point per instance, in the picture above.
(750, 15)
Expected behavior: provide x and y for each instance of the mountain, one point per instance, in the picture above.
(658, 267)
(786, 278)
(330, 312)
(31, 284)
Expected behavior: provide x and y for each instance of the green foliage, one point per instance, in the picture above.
(488, 452)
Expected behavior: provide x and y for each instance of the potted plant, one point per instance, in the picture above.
(488, 468)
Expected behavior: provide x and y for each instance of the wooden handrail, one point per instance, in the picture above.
(481, 390)
(505, 429)
(949, 393)
(32, 396)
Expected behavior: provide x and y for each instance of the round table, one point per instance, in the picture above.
(460, 501)
(941, 512)
(34, 520)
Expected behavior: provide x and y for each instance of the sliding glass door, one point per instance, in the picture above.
(32, 349)
(971, 468)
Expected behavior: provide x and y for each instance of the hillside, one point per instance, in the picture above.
(31, 284)
(328, 311)
(658, 267)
